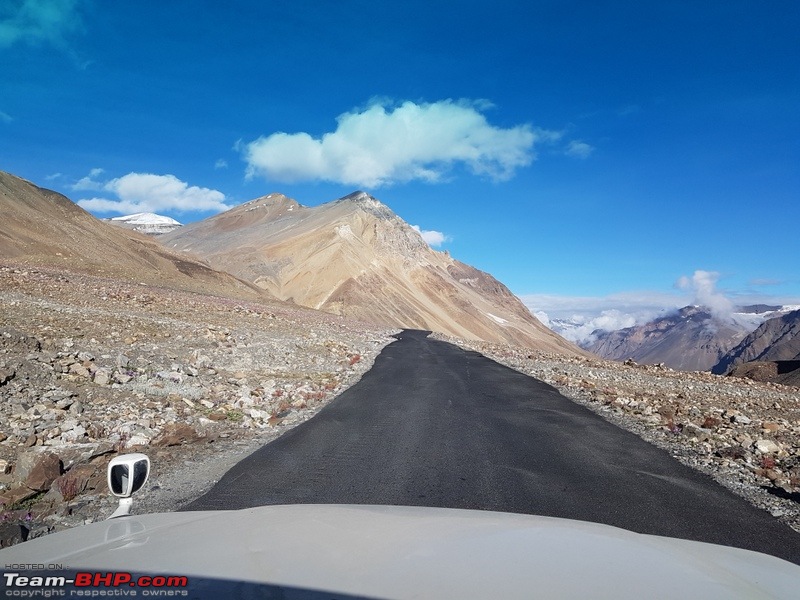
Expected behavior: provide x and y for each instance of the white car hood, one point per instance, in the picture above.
(410, 552)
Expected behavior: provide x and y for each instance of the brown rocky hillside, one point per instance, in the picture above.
(691, 339)
(776, 339)
(355, 257)
(42, 227)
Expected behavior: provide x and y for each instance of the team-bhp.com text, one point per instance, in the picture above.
(85, 584)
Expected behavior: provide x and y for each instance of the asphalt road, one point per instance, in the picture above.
(434, 425)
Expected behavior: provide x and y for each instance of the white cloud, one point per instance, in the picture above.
(221, 164)
(53, 176)
(145, 192)
(579, 149)
(631, 301)
(703, 287)
(577, 317)
(432, 238)
(5, 117)
(89, 182)
(39, 21)
(381, 145)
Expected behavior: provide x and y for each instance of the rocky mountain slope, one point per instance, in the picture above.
(355, 257)
(785, 372)
(42, 227)
(690, 340)
(775, 341)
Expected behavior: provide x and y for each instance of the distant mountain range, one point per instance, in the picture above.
(695, 339)
(355, 257)
(691, 339)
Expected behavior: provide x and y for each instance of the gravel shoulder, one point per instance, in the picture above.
(93, 366)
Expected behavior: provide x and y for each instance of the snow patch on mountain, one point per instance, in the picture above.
(146, 222)
(497, 319)
(146, 218)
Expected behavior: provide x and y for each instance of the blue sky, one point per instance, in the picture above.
(589, 154)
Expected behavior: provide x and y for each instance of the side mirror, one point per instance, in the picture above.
(126, 476)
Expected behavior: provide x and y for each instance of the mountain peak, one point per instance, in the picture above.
(359, 196)
(356, 258)
(370, 204)
(271, 200)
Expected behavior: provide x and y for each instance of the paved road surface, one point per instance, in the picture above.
(434, 425)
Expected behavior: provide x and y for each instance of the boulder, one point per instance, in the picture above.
(44, 470)
(102, 377)
(12, 533)
(70, 484)
(9, 498)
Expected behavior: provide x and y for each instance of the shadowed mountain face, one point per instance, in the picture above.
(355, 257)
(776, 339)
(42, 227)
(690, 340)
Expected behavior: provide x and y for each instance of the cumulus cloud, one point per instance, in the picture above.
(432, 238)
(703, 286)
(382, 145)
(38, 22)
(583, 328)
(90, 182)
(579, 149)
(146, 192)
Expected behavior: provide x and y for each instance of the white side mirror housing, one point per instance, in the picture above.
(127, 474)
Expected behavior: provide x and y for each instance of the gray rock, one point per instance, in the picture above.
(101, 377)
(767, 446)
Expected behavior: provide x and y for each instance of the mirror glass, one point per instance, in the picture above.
(119, 479)
(139, 475)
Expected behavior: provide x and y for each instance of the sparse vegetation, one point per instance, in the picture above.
(234, 416)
